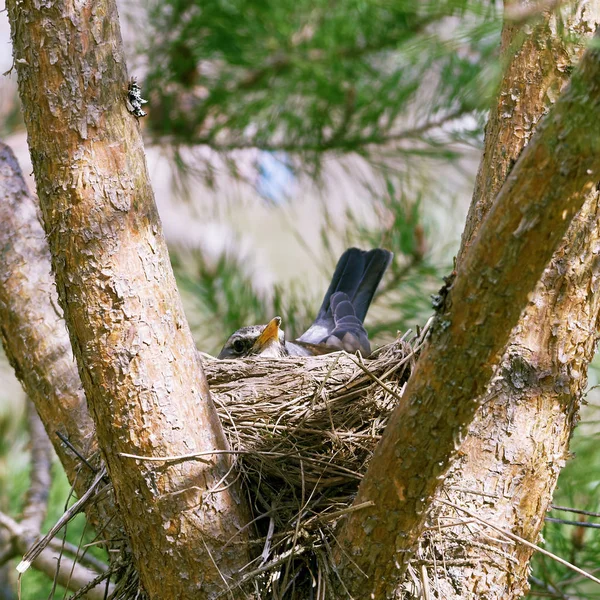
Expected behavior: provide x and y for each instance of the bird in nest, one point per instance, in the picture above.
(340, 322)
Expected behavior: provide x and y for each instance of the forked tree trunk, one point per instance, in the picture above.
(142, 377)
(508, 466)
(526, 223)
(140, 371)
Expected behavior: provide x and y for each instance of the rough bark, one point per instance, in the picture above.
(538, 61)
(509, 464)
(546, 188)
(33, 332)
(118, 296)
(143, 380)
(35, 338)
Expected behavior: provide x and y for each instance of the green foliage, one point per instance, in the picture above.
(221, 295)
(10, 110)
(307, 77)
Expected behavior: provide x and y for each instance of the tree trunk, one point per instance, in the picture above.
(146, 388)
(530, 216)
(144, 383)
(509, 464)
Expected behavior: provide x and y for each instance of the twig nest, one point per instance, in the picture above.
(302, 431)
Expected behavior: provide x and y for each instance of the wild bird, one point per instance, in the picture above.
(339, 323)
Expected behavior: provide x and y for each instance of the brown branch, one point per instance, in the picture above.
(334, 143)
(35, 338)
(71, 575)
(33, 332)
(143, 380)
(547, 187)
(41, 544)
(533, 77)
(519, 439)
(36, 501)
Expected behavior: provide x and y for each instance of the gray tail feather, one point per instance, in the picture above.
(357, 274)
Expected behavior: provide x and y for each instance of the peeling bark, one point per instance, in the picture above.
(33, 333)
(538, 62)
(145, 384)
(143, 380)
(509, 464)
(532, 212)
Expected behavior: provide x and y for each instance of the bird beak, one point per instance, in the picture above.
(269, 334)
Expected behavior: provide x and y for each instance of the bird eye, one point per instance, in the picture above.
(238, 346)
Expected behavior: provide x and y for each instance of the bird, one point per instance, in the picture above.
(339, 322)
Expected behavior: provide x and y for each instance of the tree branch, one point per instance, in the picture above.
(525, 99)
(529, 410)
(36, 341)
(278, 64)
(33, 332)
(547, 187)
(71, 575)
(36, 501)
(335, 142)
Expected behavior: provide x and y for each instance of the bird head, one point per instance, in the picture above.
(257, 340)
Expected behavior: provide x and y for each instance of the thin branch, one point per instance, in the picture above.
(346, 144)
(577, 511)
(84, 558)
(199, 455)
(72, 575)
(73, 510)
(575, 523)
(36, 501)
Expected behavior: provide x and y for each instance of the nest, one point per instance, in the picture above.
(302, 431)
(302, 435)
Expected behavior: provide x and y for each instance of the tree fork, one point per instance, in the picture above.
(530, 408)
(138, 364)
(534, 208)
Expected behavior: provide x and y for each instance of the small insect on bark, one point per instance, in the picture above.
(135, 100)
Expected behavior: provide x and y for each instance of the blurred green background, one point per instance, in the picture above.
(281, 132)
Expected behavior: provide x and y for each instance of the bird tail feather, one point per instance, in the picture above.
(339, 322)
(357, 274)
